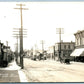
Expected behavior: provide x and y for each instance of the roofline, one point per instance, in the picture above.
(79, 32)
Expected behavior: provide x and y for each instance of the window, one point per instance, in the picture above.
(79, 41)
(83, 40)
(68, 46)
(64, 46)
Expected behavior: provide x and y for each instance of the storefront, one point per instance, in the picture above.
(78, 55)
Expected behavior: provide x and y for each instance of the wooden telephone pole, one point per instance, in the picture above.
(17, 37)
(59, 31)
(42, 42)
(7, 43)
(21, 34)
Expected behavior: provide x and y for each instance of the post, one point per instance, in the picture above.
(59, 31)
(17, 51)
(21, 39)
(17, 34)
(60, 44)
(42, 42)
(21, 35)
(42, 46)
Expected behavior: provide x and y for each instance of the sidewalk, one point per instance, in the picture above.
(12, 73)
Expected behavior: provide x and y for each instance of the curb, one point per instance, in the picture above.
(14, 66)
(22, 76)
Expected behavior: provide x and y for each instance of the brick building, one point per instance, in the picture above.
(66, 49)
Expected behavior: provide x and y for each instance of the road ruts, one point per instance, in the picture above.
(51, 71)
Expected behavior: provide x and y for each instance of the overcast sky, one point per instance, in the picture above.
(41, 21)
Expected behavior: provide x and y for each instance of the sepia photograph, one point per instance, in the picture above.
(41, 41)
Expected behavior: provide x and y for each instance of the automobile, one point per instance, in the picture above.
(65, 60)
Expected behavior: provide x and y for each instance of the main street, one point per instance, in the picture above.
(52, 71)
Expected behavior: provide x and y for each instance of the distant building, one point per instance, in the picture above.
(51, 52)
(66, 49)
(79, 44)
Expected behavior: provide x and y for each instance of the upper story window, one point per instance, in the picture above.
(64, 46)
(68, 46)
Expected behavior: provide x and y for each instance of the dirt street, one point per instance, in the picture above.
(52, 71)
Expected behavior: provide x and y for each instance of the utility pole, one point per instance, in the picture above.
(16, 36)
(42, 42)
(35, 48)
(60, 31)
(7, 43)
(21, 34)
(32, 52)
(17, 49)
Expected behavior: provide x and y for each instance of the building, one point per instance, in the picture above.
(66, 49)
(78, 53)
(51, 52)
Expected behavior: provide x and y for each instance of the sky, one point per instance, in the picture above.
(41, 20)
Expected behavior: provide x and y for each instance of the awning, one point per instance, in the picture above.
(78, 52)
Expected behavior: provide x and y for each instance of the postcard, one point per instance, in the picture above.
(41, 41)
